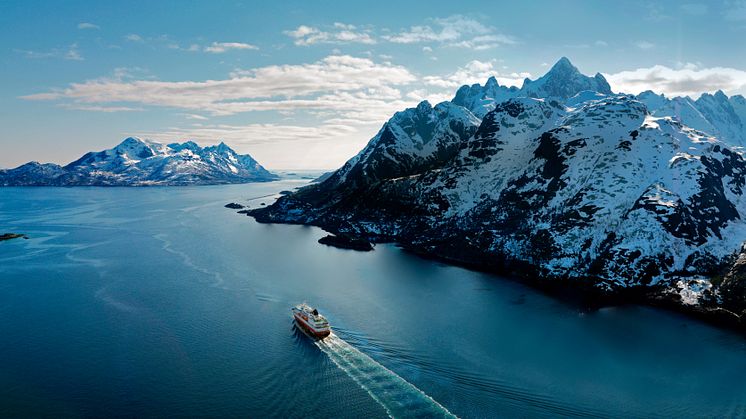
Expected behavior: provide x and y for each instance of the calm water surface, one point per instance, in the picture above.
(159, 301)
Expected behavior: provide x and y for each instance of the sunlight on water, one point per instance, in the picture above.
(396, 395)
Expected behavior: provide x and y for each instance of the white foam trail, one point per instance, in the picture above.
(400, 398)
(187, 260)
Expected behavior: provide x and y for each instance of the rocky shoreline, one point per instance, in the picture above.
(562, 184)
(11, 236)
(579, 291)
(344, 241)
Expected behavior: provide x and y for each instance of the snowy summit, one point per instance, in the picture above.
(138, 162)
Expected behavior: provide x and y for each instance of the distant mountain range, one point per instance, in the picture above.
(561, 182)
(137, 162)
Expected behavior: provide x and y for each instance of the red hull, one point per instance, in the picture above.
(302, 323)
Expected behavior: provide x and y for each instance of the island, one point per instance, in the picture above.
(11, 236)
(347, 242)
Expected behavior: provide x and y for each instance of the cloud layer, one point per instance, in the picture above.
(356, 87)
(220, 47)
(72, 53)
(339, 33)
(475, 71)
(453, 31)
(689, 80)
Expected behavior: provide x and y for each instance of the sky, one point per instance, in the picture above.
(304, 85)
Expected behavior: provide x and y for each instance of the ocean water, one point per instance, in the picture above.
(159, 301)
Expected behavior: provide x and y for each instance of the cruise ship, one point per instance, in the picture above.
(309, 319)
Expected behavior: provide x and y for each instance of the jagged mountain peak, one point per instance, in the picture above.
(134, 148)
(131, 141)
(564, 81)
(480, 99)
(221, 148)
(186, 145)
(563, 65)
(424, 106)
(137, 161)
(718, 96)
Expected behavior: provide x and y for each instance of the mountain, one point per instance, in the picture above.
(583, 188)
(715, 114)
(137, 162)
(562, 82)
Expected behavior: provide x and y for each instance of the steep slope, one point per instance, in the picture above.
(682, 109)
(599, 194)
(715, 114)
(412, 141)
(738, 103)
(720, 113)
(137, 162)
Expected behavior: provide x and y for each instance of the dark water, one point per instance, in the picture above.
(159, 301)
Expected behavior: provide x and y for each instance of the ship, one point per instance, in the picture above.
(309, 319)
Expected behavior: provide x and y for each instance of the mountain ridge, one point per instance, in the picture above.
(138, 162)
(603, 195)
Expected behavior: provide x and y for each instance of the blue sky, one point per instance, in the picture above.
(306, 84)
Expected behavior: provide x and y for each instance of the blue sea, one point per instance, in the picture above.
(155, 302)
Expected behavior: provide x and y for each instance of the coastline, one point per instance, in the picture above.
(580, 292)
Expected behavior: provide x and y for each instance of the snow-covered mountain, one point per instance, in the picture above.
(715, 114)
(562, 82)
(137, 162)
(559, 182)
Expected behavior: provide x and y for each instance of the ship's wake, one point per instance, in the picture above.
(396, 395)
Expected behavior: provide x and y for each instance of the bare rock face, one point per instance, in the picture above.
(347, 242)
(733, 288)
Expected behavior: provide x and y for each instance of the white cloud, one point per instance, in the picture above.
(133, 37)
(690, 80)
(220, 47)
(357, 88)
(88, 25)
(644, 45)
(70, 53)
(165, 41)
(482, 42)
(601, 43)
(339, 33)
(95, 108)
(454, 31)
(475, 72)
